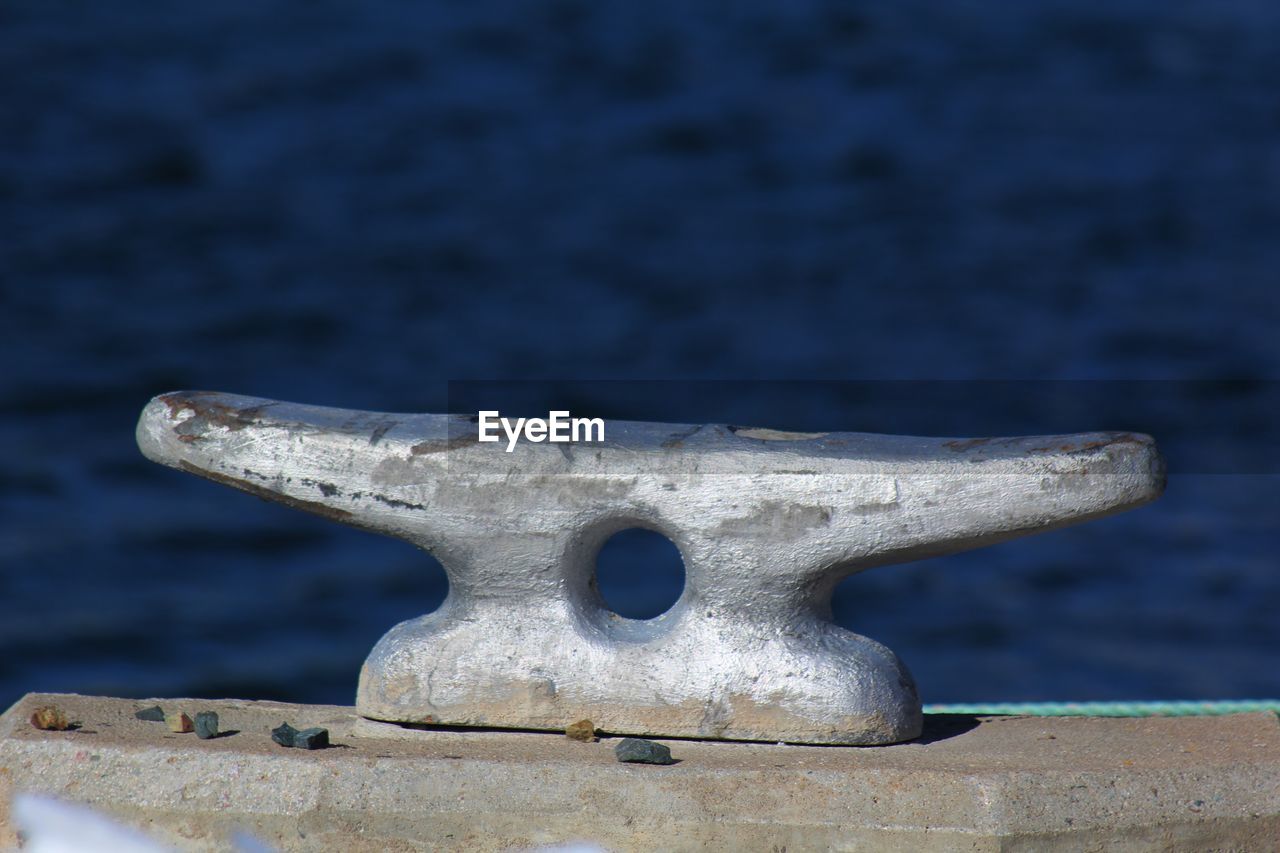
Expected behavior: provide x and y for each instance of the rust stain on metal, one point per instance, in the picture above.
(763, 434)
(1109, 441)
(333, 513)
(176, 402)
(1116, 438)
(207, 414)
(960, 445)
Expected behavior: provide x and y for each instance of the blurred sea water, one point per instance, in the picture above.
(354, 204)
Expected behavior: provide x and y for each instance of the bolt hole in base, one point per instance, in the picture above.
(639, 573)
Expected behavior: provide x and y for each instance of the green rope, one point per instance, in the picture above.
(1109, 709)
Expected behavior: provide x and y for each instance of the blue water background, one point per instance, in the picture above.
(353, 204)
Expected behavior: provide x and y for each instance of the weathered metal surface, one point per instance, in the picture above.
(767, 524)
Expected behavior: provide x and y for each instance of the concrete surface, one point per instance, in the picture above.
(969, 783)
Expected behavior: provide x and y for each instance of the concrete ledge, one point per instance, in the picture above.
(971, 783)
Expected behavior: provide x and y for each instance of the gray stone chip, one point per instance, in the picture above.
(206, 725)
(634, 750)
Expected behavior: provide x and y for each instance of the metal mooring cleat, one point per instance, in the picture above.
(767, 523)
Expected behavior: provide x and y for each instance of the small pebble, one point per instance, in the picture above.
(50, 718)
(311, 739)
(582, 730)
(206, 724)
(154, 714)
(284, 734)
(179, 722)
(636, 750)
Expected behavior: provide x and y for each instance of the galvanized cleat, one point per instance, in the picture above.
(767, 524)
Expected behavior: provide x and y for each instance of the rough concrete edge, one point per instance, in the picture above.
(1002, 789)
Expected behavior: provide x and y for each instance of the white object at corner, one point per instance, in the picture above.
(50, 825)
